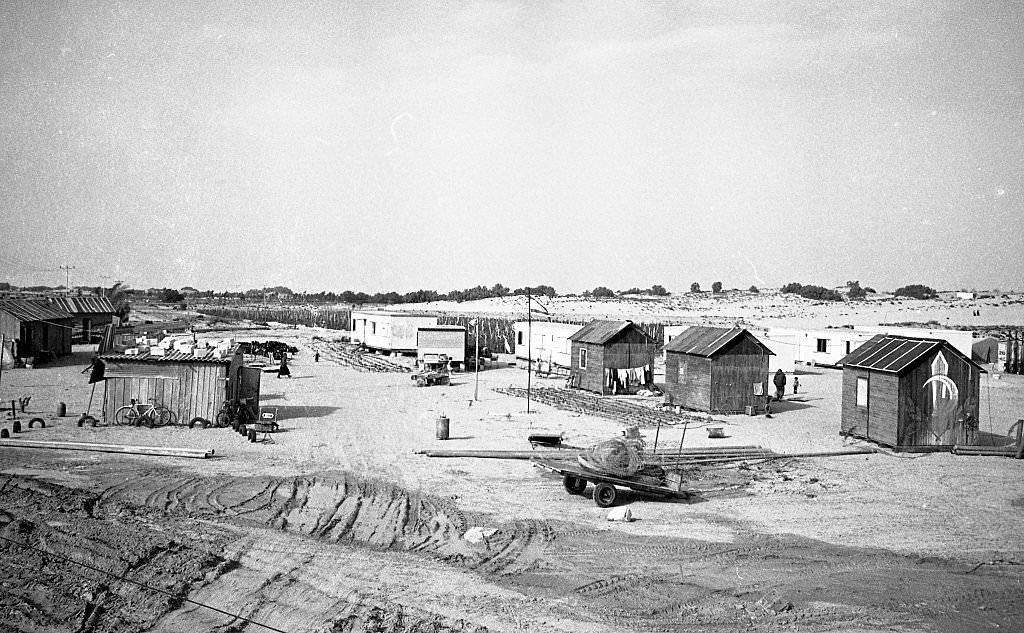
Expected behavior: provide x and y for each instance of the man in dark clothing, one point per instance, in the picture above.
(780, 384)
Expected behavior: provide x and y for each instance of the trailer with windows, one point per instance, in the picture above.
(913, 394)
(389, 331)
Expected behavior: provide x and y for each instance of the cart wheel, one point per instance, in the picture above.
(604, 495)
(223, 420)
(574, 485)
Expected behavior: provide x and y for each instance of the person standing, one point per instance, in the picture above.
(796, 384)
(283, 371)
(780, 384)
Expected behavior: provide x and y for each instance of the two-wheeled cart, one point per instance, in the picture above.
(575, 478)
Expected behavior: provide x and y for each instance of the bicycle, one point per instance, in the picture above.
(137, 414)
(235, 412)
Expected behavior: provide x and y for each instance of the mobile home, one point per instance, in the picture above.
(389, 331)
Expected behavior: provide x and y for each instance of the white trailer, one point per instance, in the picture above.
(433, 341)
(547, 346)
(389, 331)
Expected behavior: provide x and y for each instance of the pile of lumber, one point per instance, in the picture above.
(160, 451)
(626, 411)
(687, 456)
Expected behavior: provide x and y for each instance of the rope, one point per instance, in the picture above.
(143, 585)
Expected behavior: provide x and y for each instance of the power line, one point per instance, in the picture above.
(143, 585)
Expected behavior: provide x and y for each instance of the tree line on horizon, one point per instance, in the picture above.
(124, 294)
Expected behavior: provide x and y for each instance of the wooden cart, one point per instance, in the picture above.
(575, 478)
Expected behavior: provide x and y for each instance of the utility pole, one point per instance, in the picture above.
(476, 362)
(67, 277)
(529, 345)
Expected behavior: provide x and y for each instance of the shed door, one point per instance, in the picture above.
(249, 384)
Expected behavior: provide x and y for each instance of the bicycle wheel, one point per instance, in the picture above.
(162, 416)
(126, 415)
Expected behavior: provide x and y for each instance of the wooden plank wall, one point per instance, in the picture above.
(591, 378)
(734, 371)
(920, 424)
(188, 389)
(631, 349)
(854, 419)
(690, 385)
(883, 408)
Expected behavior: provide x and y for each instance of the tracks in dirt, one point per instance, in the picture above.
(613, 576)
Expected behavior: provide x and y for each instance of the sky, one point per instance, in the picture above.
(382, 146)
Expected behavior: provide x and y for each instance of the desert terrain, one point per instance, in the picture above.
(339, 524)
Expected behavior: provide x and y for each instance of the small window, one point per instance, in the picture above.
(822, 345)
(862, 392)
(519, 339)
(583, 359)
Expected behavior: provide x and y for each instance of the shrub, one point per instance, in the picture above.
(916, 291)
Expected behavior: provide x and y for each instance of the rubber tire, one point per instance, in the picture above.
(574, 485)
(604, 495)
(223, 420)
(421, 382)
(33, 421)
(251, 435)
(16, 426)
(197, 420)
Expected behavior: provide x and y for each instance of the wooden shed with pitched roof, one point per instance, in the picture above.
(38, 328)
(612, 357)
(910, 393)
(713, 369)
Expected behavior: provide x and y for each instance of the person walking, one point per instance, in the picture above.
(283, 371)
(780, 384)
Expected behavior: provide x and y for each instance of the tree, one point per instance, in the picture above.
(855, 291)
(659, 290)
(916, 291)
(695, 287)
(118, 295)
(602, 291)
(170, 295)
(754, 290)
(817, 293)
(716, 287)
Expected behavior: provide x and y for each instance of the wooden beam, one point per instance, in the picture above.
(158, 451)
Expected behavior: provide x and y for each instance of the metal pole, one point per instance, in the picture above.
(476, 387)
(529, 345)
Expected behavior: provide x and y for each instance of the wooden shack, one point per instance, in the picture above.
(719, 370)
(37, 328)
(192, 384)
(612, 357)
(91, 315)
(910, 393)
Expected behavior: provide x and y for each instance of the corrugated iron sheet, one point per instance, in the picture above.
(707, 341)
(33, 310)
(83, 305)
(889, 353)
(599, 331)
(170, 357)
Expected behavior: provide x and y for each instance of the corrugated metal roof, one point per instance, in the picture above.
(600, 331)
(890, 353)
(171, 357)
(79, 305)
(708, 341)
(33, 310)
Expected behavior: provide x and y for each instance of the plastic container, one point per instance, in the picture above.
(62, 409)
(442, 427)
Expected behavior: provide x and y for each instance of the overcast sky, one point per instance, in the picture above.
(395, 146)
